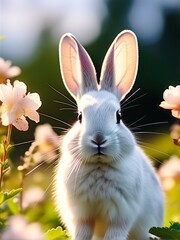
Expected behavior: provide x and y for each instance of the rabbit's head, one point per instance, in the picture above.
(99, 133)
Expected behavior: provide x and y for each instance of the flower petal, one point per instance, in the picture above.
(8, 71)
(30, 102)
(9, 115)
(13, 71)
(33, 115)
(172, 100)
(172, 95)
(176, 113)
(16, 105)
(34, 97)
(19, 90)
(4, 65)
(6, 91)
(166, 105)
(45, 135)
(21, 124)
(7, 118)
(1, 61)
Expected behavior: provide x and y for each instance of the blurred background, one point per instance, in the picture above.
(32, 29)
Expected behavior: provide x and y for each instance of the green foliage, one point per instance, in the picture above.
(8, 206)
(167, 233)
(13, 206)
(4, 196)
(56, 233)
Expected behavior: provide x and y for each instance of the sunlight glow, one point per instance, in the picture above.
(23, 22)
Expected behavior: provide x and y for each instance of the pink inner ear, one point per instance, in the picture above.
(88, 73)
(69, 64)
(127, 57)
(76, 66)
(120, 64)
(107, 71)
(85, 63)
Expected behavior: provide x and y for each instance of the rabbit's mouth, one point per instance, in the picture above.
(100, 158)
(99, 150)
(99, 153)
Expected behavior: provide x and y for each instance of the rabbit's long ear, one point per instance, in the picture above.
(120, 64)
(77, 69)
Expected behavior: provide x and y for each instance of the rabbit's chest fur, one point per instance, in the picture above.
(100, 190)
(100, 182)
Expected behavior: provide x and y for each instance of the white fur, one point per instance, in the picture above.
(114, 196)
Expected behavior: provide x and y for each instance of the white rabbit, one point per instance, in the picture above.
(105, 186)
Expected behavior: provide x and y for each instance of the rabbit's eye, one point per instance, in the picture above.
(79, 118)
(118, 117)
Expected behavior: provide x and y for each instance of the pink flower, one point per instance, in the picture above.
(169, 173)
(17, 105)
(172, 100)
(44, 148)
(20, 229)
(32, 196)
(46, 138)
(175, 134)
(7, 71)
(48, 144)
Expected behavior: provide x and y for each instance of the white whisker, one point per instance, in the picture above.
(151, 147)
(22, 143)
(150, 124)
(155, 159)
(158, 133)
(67, 104)
(36, 167)
(61, 128)
(132, 106)
(77, 171)
(63, 95)
(54, 162)
(45, 115)
(125, 100)
(75, 164)
(62, 109)
(133, 100)
(137, 120)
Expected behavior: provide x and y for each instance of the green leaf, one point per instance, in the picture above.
(8, 195)
(13, 206)
(165, 233)
(1, 197)
(2, 224)
(56, 233)
(175, 226)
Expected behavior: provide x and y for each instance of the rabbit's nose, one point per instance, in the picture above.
(98, 139)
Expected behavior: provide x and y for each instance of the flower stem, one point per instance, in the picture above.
(3, 160)
(1, 175)
(9, 134)
(21, 193)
